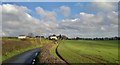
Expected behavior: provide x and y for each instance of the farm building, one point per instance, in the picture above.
(59, 37)
(22, 37)
(53, 37)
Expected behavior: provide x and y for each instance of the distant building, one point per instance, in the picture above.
(53, 37)
(22, 37)
(59, 37)
(64, 37)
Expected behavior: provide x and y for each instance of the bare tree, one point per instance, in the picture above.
(30, 35)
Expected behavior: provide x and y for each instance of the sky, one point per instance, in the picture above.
(73, 19)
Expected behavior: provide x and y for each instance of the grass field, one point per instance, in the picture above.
(88, 51)
(11, 47)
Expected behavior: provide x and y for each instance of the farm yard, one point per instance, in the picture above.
(89, 51)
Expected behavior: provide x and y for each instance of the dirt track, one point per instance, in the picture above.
(46, 58)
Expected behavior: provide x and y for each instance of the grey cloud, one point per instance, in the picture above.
(105, 6)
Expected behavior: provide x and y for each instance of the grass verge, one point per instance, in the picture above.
(53, 50)
(12, 47)
(13, 53)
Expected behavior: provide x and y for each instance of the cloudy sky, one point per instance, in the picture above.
(74, 19)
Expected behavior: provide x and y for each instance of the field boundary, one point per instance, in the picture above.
(60, 55)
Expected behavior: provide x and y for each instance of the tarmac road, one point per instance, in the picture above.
(25, 58)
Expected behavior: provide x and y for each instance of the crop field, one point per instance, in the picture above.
(11, 47)
(89, 51)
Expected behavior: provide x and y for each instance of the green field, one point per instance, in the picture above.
(89, 51)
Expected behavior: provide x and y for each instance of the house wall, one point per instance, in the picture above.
(22, 37)
(55, 38)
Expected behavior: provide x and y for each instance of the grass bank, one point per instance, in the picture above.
(48, 55)
(86, 51)
(11, 47)
(53, 50)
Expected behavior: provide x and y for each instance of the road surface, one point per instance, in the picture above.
(25, 58)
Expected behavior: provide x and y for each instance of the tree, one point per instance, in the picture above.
(30, 35)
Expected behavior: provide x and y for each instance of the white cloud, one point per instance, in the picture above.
(90, 18)
(91, 25)
(47, 15)
(71, 20)
(86, 14)
(65, 10)
(13, 9)
(16, 20)
(19, 21)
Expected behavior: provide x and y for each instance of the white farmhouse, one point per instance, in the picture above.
(53, 37)
(22, 37)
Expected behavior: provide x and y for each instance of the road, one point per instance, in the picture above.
(25, 58)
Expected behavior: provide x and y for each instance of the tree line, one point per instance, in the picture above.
(97, 38)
